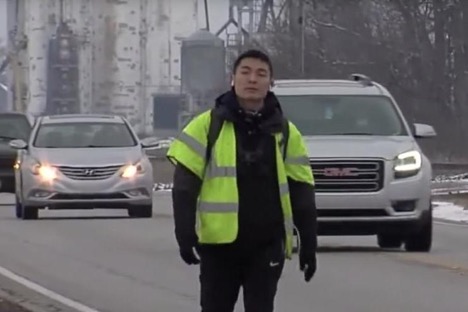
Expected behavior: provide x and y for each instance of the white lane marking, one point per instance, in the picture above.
(46, 292)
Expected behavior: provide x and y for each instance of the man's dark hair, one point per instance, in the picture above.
(256, 54)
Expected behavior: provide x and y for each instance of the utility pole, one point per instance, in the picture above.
(207, 16)
(302, 27)
(297, 34)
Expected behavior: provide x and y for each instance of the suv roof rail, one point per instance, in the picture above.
(363, 79)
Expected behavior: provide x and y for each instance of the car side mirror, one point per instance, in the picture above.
(423, 131)
(18, 144)
(150, 142)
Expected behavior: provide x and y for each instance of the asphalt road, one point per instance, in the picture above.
(118, 264)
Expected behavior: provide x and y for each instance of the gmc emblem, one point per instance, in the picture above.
(340, 172)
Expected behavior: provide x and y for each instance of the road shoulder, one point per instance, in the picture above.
(19, 298)
(8, 304)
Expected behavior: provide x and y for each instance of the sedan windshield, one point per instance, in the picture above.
(342, 115)
(83, 135)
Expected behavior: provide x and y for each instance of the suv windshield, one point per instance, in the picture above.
(83, 135)
(14, 126)
(342, 115)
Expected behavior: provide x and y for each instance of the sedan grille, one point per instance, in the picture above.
(346, 175)
(89, 173)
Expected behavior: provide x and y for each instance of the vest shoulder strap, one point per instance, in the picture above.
(216, 124)
(285, 130)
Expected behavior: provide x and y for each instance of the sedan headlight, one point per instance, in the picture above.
(46, 172)
(131, 171)
(407, 163)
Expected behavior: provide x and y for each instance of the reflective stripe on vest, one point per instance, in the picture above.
(300, 160)
(229, 207)
(213, 171)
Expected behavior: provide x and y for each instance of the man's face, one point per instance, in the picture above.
(252, 80)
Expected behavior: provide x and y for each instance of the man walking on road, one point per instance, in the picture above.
(242, 179)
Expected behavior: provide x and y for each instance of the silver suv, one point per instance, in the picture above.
(83, 162)
(371, 176)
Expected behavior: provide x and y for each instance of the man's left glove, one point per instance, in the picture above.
(307, 263)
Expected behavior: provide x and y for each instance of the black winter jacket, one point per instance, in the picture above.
(260, 215)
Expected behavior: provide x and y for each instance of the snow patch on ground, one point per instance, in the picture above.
(162, 187)
(449, 211)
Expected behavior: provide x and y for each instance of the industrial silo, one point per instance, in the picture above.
(203, 69)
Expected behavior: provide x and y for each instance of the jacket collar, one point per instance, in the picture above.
(269, 117)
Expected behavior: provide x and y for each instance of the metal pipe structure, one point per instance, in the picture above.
(127, 51)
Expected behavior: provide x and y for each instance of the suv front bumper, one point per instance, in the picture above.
(400, 206)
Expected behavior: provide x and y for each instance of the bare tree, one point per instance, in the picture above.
(417, 49)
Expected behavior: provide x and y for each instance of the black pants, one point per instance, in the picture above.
(224, 270)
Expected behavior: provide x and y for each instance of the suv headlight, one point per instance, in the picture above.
(131, 171)
(407, 164)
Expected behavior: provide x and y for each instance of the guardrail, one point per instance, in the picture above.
(160, 148)
(442, 171)
(449, 166)
(162, 169)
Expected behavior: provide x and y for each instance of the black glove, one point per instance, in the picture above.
(188, 254)
(307, 263)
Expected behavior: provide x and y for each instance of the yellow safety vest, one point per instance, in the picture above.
(217, 210)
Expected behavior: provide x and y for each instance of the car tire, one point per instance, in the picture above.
(143, 211)
(389, 241)
(18, 208)
(29, 213)
(421, 241)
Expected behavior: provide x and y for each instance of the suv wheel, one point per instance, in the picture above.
(421, 241)
(389, 241)
(144, 211)
(18, 208)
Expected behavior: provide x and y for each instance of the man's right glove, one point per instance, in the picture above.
(188, 255)
(188, 244)
(307, 263)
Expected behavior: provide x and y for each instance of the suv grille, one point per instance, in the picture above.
(89, 173)
(348, 175)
